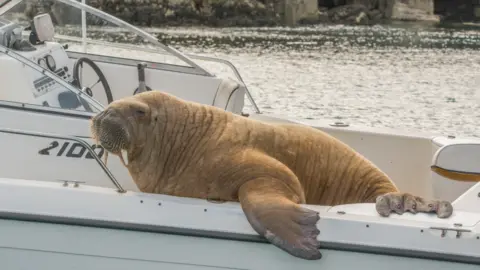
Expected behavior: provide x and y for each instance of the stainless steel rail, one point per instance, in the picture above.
(120, 189)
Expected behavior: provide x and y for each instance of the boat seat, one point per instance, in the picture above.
(229, 96)
(456, 170)
(458, 161)
(44, 29)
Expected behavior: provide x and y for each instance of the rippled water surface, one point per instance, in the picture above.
(410, 77)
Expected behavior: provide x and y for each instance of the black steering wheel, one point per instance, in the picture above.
(88, 90)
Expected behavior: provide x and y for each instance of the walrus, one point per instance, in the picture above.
(182, 148)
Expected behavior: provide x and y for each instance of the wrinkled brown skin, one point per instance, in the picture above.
(193, 150)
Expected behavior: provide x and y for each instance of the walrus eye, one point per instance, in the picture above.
(140, 112)
(430, 205)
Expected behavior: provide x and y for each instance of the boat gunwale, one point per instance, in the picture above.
(232, 236)
(231, 214)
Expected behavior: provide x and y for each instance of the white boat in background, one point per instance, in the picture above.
(62, 208)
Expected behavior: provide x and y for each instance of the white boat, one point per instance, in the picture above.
(62, 208)
(47, 225)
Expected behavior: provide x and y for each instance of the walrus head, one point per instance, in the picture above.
(122, 127)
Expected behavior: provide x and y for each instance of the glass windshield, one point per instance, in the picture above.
(102, 34)
(83, 31)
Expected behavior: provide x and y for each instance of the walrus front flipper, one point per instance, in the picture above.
(399, 202)
(270, 208)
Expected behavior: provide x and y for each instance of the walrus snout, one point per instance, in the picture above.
(109, 129)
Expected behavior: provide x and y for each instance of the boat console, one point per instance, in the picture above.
(49, 55)
(27, 58)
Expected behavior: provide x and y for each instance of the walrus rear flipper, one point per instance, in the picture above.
(401, 202)
(269, 209)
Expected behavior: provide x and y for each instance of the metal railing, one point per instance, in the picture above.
(120, 189)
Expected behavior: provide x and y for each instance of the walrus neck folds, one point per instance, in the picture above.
(177, 133)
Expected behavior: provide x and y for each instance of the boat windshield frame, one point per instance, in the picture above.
(10, 4)
(7, 5)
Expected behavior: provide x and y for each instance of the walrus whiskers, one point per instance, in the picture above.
(97, 142)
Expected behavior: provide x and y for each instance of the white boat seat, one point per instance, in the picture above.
(229, 96)
(456, 172)
(44, 27)
(458, 161)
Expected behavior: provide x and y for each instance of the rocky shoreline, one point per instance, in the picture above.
(225, 13)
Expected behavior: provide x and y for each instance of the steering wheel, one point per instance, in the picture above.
(88, 90)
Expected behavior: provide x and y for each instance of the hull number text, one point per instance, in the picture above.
(71, 149)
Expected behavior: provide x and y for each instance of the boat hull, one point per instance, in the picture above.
(55, 246)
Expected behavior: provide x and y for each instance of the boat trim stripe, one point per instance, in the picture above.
(123, 258)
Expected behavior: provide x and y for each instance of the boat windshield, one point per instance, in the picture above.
(89, 30)
(81, 29)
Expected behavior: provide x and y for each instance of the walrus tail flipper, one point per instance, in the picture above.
(400, 202)
(268, 206)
